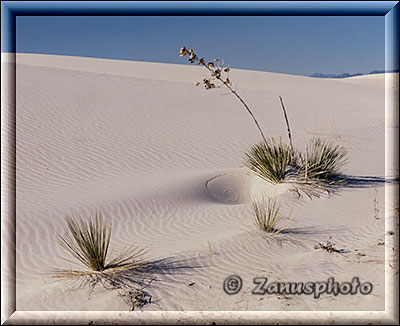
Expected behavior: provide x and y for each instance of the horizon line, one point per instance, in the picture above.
(312, 75)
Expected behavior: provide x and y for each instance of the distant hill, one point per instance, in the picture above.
(346, 75)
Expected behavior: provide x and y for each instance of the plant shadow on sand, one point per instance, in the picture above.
(132, 284)
(341, 182)
(299, 236)
(368, 181)
(224, 189)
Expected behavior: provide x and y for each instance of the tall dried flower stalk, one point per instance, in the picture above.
(218, 73)
(288, 128)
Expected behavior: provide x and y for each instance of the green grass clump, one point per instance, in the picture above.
(323, 160)
(266, 215)
(269, 160)
(88, 242)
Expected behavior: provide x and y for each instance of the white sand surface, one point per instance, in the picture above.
(163, 159)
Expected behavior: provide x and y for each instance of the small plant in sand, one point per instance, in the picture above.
(266, 215)
(327, 246)
(270, 160)
(210, 250)
(322, 160)
(376, 204)
(88, 242)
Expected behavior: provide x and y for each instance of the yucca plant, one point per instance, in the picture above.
(266, 215)
(269, 160)
(88, 242)
(322, 160)
(319, 166)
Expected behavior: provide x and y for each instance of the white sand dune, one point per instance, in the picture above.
(162, 159)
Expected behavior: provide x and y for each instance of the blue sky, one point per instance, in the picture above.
(296, 45)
